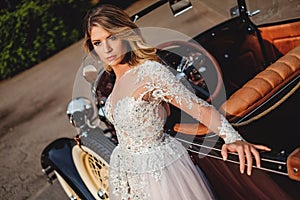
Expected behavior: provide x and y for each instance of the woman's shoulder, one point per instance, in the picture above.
(154, 70)
(148, 70)
(152, 66)
(151, 63)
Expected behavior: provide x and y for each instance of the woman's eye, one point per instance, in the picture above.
(97, 43)
(112, 38)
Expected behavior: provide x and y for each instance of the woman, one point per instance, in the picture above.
(148, 164)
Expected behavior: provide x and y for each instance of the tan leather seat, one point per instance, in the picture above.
(263, 85)
(255, 91)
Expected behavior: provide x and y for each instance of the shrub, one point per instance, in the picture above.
(34, 30)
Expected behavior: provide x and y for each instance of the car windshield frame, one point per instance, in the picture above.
(201, 16)
(206, 14)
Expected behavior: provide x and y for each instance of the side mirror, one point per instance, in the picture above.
(90, 73)
(179, 6)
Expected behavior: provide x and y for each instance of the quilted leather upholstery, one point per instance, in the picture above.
(254, 92)
(263, 85)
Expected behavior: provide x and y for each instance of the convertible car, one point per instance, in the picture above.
(242, 56)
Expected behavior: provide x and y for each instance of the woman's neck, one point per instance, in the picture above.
(120, 69)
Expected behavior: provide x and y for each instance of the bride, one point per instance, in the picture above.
(147, 163)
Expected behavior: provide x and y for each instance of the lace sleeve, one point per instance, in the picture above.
(164, 86)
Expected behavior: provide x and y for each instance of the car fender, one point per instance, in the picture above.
(57, 156)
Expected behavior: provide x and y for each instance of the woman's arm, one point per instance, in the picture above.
(166, 87)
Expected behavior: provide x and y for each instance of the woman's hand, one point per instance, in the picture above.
(245, 151)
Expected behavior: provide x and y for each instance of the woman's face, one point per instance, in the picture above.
(109, 48)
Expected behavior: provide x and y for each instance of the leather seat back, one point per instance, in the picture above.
(262, 86)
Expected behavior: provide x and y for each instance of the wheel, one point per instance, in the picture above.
(92, 162)
(93, 170)
(66, 187)
(196, 63)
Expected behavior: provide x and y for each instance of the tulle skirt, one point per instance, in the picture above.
(179, 180)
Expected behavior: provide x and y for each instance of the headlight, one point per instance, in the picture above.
(80, 110)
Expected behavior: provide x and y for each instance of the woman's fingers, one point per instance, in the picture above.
(249, 159)
(261, 147)
(256, 156)
(256, 153)
(246, 152)
(240, 151)
(224, 152)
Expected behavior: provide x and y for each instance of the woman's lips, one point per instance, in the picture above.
(111, 58)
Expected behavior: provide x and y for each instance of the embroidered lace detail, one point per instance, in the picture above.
(165, 86)
(123, 183)
(127, 173)
(138, 117)
(226, 130)
(107, 109)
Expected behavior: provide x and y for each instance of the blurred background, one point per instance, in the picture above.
(32, 31)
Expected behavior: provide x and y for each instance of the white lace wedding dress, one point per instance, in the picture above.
(148, 164)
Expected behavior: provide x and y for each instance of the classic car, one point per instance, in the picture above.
(242, 56)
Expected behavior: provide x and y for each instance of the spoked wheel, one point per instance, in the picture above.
(66, 187)
(93, 171)
(91, 160)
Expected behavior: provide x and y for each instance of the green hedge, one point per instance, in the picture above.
(34, 30)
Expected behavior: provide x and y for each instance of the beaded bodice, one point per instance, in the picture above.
(135, 107)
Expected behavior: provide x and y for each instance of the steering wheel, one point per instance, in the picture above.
(194, 63)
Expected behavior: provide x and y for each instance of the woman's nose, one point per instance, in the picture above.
(107, 47)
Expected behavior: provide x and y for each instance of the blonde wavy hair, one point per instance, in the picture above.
(117, 22)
